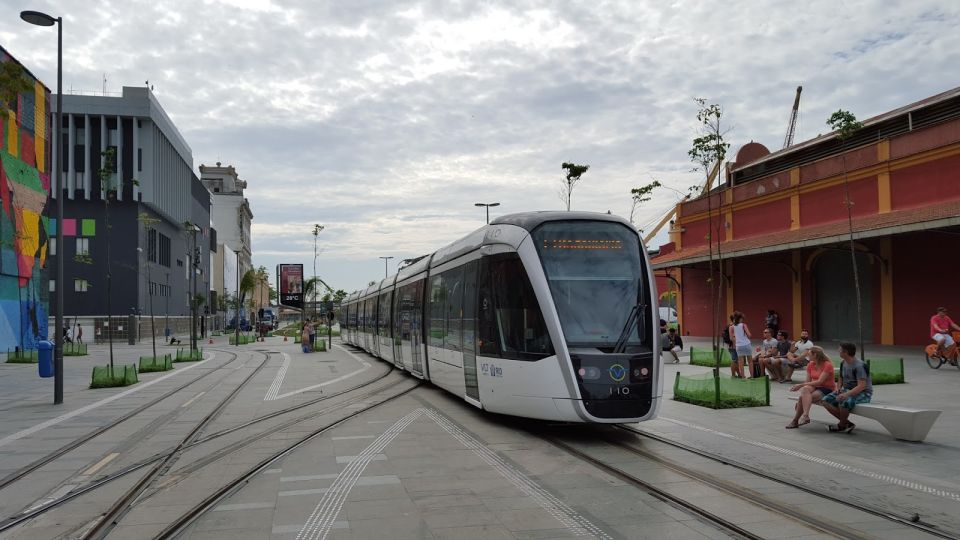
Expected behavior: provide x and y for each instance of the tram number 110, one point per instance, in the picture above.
(619, 390)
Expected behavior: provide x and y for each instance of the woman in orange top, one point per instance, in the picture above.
(820, 382)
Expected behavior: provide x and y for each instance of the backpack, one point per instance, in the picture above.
(725, 335)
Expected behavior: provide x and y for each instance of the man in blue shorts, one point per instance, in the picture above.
(856, 388)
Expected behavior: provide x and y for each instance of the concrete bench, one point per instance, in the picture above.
(903, 423)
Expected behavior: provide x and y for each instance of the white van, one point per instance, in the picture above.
(668, 314)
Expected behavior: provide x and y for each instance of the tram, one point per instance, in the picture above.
(545, 315)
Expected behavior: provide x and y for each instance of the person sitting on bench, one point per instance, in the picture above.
(857, 388)
(174, 341)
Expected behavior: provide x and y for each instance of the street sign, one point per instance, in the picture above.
(290, 285)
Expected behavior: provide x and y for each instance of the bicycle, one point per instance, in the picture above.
(949, 355)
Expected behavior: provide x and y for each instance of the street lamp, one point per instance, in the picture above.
(385, 259)
(488, 205)
(42, 19)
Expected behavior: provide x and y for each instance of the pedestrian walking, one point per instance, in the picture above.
(305, 338)
(79, 333)
(313, 333)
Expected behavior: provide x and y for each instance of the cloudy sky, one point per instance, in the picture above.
(386, 121)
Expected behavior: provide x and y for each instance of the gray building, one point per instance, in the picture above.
(154, 201)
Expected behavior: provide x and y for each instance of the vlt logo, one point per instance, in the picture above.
(617, 372)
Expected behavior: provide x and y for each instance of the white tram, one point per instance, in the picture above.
(547, 315)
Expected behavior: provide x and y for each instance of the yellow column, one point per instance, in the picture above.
(886, 292)
(797, 304)
(728, 225)
(794, 199)
(40, 126)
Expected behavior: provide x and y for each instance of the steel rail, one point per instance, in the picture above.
(33, 512)
(80, 441)
(909, 522)
(185, 520)
(655, 491)
(119, 508)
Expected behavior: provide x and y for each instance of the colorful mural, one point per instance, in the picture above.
(24, 190)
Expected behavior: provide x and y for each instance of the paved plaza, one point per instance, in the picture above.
(428, 465)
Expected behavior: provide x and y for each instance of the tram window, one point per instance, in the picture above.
(383, 321)
(438, 300)
(509, 320)
(453, 284)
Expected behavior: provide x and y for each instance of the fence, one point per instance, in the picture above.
(122, 375)
(95, 328)
(705, 357)
(734, 393)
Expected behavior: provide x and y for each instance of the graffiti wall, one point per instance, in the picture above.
(24, 189)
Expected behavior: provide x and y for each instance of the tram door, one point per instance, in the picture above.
(469, 326)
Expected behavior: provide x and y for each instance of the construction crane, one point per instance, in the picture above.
(788, 140)
(673, 211)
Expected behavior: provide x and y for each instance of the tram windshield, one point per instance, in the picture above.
(596, 277)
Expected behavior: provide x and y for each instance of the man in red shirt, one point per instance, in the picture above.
(940, 325)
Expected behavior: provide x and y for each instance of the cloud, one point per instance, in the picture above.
(386, 120)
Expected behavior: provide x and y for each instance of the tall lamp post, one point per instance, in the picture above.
(487, 205)
(385, 271)
(42, 19)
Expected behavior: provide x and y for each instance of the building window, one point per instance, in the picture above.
(179, 262)
(53, 285)
(80, 285)
(51, 246)
(139, 159)
(152, 245)
(83, 246)
(164, 246)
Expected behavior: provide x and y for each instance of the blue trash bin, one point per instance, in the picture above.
(45, 358)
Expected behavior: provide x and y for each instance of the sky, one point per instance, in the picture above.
(386, 121)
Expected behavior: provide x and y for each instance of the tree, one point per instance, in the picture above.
(641, 195)
(339, 295)
(263, 280)
(12, 84)
(193, 256)
(317, 228)
(109, 184)
(708, 150)
(148, 223)
(846, 125)
(574, 172)
(247, 283)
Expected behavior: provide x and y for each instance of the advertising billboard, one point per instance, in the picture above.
(290, 277)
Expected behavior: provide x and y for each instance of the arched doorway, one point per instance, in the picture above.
(835, 312)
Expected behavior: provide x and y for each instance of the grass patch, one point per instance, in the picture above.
(150, 364)
(704, 398)
(244, 339)
(187, 355)
(104, 377)
(319, 346)
(705, 357)
(75, 349)
(29, 356)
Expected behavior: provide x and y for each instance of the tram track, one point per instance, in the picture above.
(116, 512)
(816, 523)
(177, 526)
(24, 471)
(36, 511)
(910, 522)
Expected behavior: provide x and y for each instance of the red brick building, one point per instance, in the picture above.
(782, 222)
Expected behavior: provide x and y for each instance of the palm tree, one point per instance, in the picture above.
(247, 283)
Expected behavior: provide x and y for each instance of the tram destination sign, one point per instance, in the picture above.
(290, 285)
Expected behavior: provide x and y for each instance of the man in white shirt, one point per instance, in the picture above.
(767, 350)
(797, 357)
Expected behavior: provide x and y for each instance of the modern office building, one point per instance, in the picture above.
(130, 196)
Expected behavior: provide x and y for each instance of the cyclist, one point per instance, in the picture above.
(940, 325)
